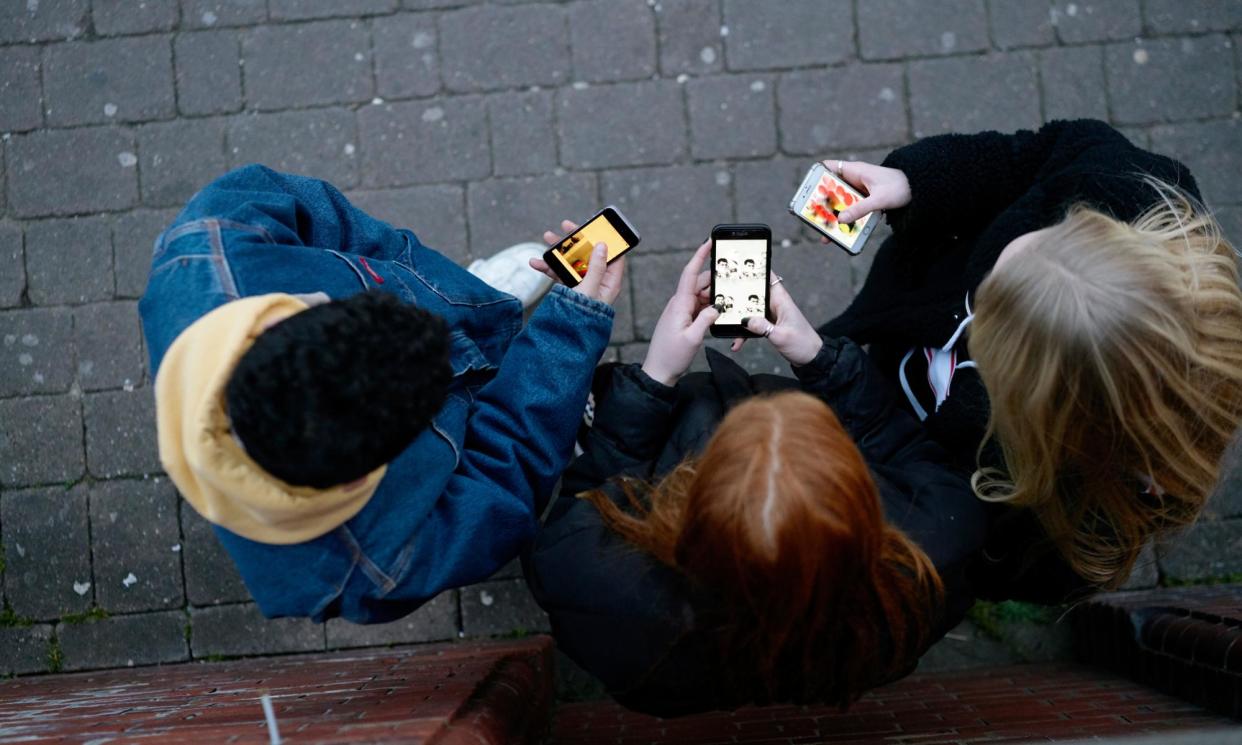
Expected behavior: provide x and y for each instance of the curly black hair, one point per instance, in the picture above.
(330, 394)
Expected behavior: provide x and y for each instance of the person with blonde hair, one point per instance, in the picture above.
(727, 539)
(1064, 315)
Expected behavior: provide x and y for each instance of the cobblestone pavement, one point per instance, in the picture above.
(477, 124)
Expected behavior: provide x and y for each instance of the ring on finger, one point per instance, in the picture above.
(776, 280)
(768, 331)
(840, 167)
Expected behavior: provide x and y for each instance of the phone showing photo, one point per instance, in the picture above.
(570, 256)
(819, 202)
(741, 269)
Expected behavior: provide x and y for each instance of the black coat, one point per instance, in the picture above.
(970, 196)
(630, 620)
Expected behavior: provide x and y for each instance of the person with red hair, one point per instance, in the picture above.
(727, 539)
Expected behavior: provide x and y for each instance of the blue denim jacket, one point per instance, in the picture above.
(458, 503)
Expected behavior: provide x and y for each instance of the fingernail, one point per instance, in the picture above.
(719, 308)
(746, 320)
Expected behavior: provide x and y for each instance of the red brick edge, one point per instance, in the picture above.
(511, 706)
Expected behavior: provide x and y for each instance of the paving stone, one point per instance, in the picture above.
(13, 258)
(69, 261)
(653, 280)
(762, 190)
(1230, 219)
(178, 158)
(27, 425)
(406, 63)
(818, 277)
(690, 39)
(136, 545)
(1096, 20)
(436, 214)
(435, 621)
(1211, 549)
(20, 97)
(778, 34)
(1146, 571)
(847, 107)
(321, 143)
(644, 125)
(732, 117)
(120, 433)
(100, 176)
(210, 576)
(1212, 151)
(295, 10)
(1191, 16)
(891, 29)
(672, 207)
(281, 75)
(428, 4)
(112, 80)
(133, 242)
(500, 608)
(1137, 135)
(523, 133)
(42, 21)
(1020, 23)
(967, 647)
(213, 13)
(1170, 79)
(612, 40)
(506, 211)
(1072, 79)
(1226, 499)
(410, 143)
(526, 46)
(46, 551)
(208, 72)
(109, 344)
(24, 649)
(124, 641)
(242, 630)
(37, 351)
(1003, 94)
(129, 17)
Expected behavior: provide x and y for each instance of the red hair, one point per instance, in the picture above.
(780, 520)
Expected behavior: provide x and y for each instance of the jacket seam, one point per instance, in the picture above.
(224, 272)
(369, 568)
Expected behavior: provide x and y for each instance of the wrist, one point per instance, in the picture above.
(658, 374)
(808, 351)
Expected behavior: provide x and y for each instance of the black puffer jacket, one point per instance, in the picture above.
(630, 620)
(970, 196)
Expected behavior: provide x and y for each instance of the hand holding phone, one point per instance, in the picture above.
(602, 281)
(790, 333)
(740, 273)
(683, 324)
(570, 256)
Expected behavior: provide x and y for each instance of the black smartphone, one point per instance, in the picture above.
(821, 198)
(741, 270)
(570, 256)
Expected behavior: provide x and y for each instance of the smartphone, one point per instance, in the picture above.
(741, 270)
(570, 256)
(820, 200)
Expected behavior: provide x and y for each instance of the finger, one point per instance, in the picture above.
(859, 208)
(736, 346)
(703, 321)
(550, 238)
(704, 282)
(613, 274)
(689, 282)
(568, 226)
(596, 269)
(540, 266)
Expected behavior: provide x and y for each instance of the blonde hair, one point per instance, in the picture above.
(1112, 356)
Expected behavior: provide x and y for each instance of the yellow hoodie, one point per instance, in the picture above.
(197, 448)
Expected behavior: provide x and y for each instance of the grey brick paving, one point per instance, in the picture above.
(124, 641)
(112, 80)
(279, 75)
(20, 97)
(37, 351)
(568, 105)
(46, 551)
(136, 545)
(405, 55)
(27, 426)
(120, 433)
(1212, 548)
(101, 175)
(208, 72)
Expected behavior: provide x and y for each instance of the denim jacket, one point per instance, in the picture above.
(458, 503)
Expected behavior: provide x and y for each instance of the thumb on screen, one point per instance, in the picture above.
(595, 270)
(858, 209)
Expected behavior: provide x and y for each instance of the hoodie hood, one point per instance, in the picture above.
(199, 452)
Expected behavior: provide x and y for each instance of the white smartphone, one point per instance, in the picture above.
(820, 200)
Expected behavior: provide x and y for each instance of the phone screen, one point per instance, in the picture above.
(741, 273)
(574, 252)
(825, 203)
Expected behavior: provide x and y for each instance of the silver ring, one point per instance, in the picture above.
(840, 167)
(768, 332)
(776, 280)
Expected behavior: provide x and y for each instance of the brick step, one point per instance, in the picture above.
(447, 694)
(1025, 703)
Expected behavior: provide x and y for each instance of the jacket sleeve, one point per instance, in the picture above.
(960, 183)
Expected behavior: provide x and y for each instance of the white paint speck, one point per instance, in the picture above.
(25, 359)
(349, 148)
(21, 550)
(708, 55)
(1071, 10)
(581, 85)
(786, 243)
(38, 377)
(724, 30)
(359, 56)
(377, 101)
(209, 18)
(1188, 46)
(10, 339)
(887, 94)
(30, 340)
(422, 40)
(758, 86)
(81, 587)
(433, 114)
(112, 516)
(486, 598)
(109, 109)
(86, 367)
(128, 386)
(682, 78)
(948, 40)
(127, 159)
(1141, 56)
(722, 178)
(176, 548)
(129, 580)
(32, 6)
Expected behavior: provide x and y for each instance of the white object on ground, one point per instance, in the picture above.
(509, 271)
(273, 733)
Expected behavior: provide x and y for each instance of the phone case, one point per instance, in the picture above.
(820, 198)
